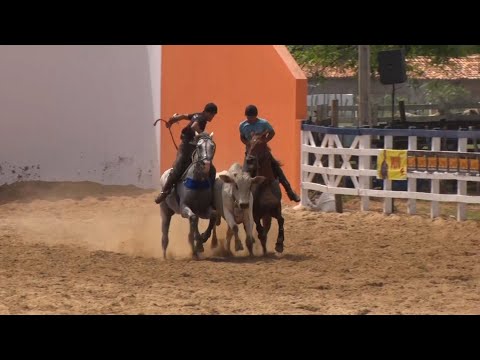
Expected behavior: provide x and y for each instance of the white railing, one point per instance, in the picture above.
(333, 161)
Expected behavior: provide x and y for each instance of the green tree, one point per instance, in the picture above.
(319, 57)
(437, 92)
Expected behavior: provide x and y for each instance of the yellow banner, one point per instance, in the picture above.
(392, 165)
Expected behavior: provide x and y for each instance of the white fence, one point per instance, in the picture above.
(332, 161)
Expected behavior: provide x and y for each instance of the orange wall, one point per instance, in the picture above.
(233, 76)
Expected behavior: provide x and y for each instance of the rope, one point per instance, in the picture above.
(169, 129)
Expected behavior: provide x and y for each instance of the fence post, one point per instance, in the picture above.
(322, 110)
(412, 182)
(338, 197)
(364, 163)
(462, 184)
(401, 107)
(374, 114)
(387, 184)
(435, 187)
(303, 173)
(475, 149)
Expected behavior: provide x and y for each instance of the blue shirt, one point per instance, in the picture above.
(258, 127)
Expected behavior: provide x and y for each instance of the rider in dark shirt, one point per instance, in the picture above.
(197, 123)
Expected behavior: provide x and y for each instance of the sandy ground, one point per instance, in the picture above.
(86, 249)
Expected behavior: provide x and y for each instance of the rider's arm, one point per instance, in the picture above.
(196, 126)
(243, 140)
(270, 135)
(177, 117)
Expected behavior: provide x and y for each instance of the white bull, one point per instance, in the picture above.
(234, 202)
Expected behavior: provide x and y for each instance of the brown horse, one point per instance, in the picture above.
(267, 196)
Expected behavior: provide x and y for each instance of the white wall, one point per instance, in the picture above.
(74, 113)
(155, 59)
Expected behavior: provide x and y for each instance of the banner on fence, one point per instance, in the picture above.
(392, 165)
(448, 162)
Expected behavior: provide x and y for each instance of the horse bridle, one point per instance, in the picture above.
(195, 152)
(250, 157)
(199, 144)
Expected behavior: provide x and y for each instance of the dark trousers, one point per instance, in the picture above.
(181, 164)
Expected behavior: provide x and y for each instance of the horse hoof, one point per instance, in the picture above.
(199, 248)
(279, 248)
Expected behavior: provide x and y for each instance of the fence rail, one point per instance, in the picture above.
(324, 154)
(383, 113)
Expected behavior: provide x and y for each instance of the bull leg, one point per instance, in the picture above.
(166, 214)
(238, 242)
(248, 226)
(227, 242)
(280, 238)
(267, 223)
(234, 227)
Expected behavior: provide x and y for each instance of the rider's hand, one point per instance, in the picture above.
(172, 120)
(263, 137)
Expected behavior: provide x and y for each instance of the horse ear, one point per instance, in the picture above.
(258, 179)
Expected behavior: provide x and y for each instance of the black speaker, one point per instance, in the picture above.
(391, 66)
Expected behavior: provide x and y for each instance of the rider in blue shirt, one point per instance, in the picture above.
(254, 124)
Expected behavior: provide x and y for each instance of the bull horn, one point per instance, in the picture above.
(211, 135)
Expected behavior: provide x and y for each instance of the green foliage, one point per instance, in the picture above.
(346, 56)
(438, 92)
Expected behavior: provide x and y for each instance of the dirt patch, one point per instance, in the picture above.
(26, 191)
(101, 254)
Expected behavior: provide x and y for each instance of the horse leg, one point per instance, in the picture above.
(261, 235)
(212, 214)
(281, 236)
(267, 224)
(214, 243)
(193, 235)
(166, 214)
